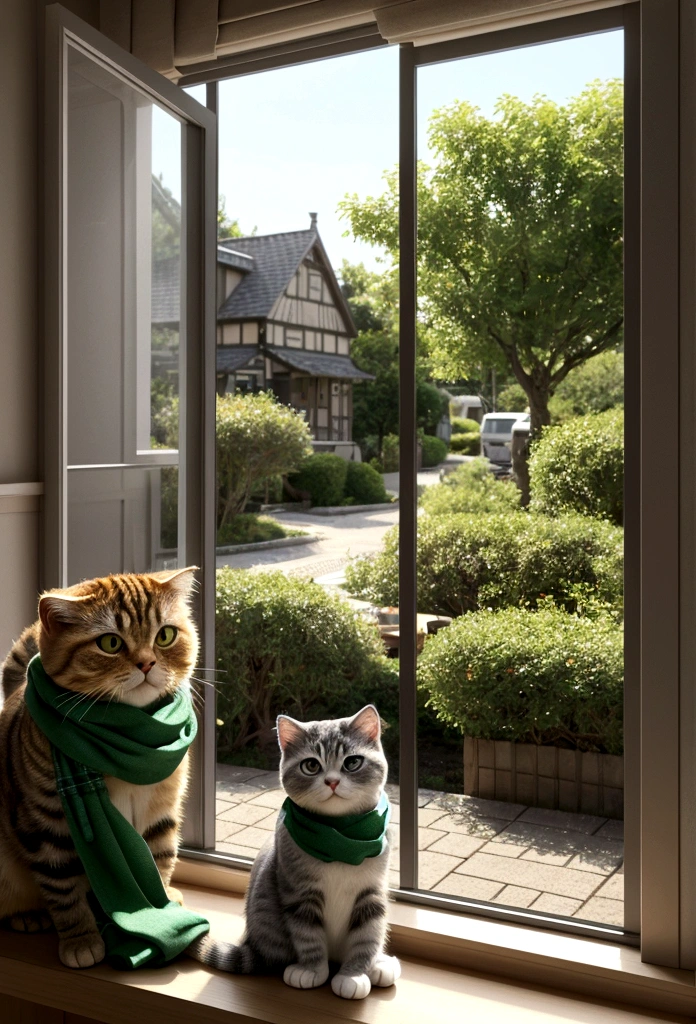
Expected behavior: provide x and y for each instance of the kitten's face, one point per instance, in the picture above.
(127, 638)
(333, 767)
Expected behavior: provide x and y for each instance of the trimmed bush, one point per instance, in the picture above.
(287, 646)
(323, 477)
(533, 677)
(470, 488)
(467, 562)
(466, 444)
(364, 484)
(390, 453)
(462, 425)
(433, 449)
(579, 467)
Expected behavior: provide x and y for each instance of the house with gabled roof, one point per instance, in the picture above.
(284, 325)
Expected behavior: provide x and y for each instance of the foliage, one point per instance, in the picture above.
(257, 438)
(579, 467)
(164, 413)
(364, 484)
(249, 528)
(466, 444)
(519, 237)
(390, 453)
(287, 646)
(433, 450)
(226, 227)
(470, 488)
(431, 405)
(373, 298)
(595, 386)
(462, 425)
(467, 562)
(376, 402)
(512, 398)
(323, 477)
(535, 677)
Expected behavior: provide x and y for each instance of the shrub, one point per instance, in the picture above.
(466, 444)
(466, 562)
(390, 453)
(470, 488)
(323, 477)
(579, 467)
(256, 438)
(287, 646)
(434, 450)
(535, 677)
(593, 386)
(462, 425)
(364, 484)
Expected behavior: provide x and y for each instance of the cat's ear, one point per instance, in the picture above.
(59, 609)
(367, 722)
(180, 580)
(289, 731)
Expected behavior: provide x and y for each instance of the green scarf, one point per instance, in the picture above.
(138, 922)
(349, 838)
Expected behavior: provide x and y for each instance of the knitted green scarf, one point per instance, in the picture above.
(138, 922)
(349, 838)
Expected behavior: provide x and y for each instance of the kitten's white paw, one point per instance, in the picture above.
(351, 986)
(384, 971)
(298, 976)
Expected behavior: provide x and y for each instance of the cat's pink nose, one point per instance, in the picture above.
(333, 783)
(145, 666)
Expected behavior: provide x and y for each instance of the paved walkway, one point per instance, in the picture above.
(551, 861)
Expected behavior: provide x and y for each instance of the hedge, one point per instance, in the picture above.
(579, 467)
(468, 562)
(471, 487)
(364, 484)
(536, 677)
(466, 444)
(287, 646)
(323, 477)
(462, 425)
(433, 451)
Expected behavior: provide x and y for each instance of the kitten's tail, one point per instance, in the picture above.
(224, 956)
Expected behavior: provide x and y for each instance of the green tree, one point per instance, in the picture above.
(257, 438)
(595, 386)
(520, 237)
(226, 227)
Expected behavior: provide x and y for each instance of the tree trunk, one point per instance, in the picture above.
(539, 417)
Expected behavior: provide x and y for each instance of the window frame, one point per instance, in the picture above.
(660, 486)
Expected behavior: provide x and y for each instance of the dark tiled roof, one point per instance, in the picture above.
(276, 258)
(318, 364)
(165, 290)
(239, 260)
(233, 357)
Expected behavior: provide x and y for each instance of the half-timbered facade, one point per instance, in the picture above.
(284, 325)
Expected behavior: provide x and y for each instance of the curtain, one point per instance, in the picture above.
(173, 36)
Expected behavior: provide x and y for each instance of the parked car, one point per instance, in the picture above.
(496, 435)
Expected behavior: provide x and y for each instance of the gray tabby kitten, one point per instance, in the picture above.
(302, 912)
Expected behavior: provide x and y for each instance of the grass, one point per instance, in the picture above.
(249, 528)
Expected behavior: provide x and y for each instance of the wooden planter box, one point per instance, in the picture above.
(564, 780)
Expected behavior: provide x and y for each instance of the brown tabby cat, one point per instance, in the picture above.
(41, 878)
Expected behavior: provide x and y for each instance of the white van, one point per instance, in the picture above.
(496, 435)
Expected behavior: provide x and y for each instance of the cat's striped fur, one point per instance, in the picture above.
(42, 882)
(301, 912)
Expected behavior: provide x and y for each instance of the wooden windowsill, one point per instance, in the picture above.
(459, 987)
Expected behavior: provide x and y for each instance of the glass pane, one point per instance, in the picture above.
(124, 272)
(306, 330)
(520, 540)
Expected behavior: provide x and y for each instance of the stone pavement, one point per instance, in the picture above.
(550, 861)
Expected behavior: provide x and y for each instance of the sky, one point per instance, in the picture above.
(299, 139)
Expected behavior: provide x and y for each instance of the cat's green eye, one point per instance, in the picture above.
(166, 636)
(310, 766)
(352, 763)
(109, 643)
